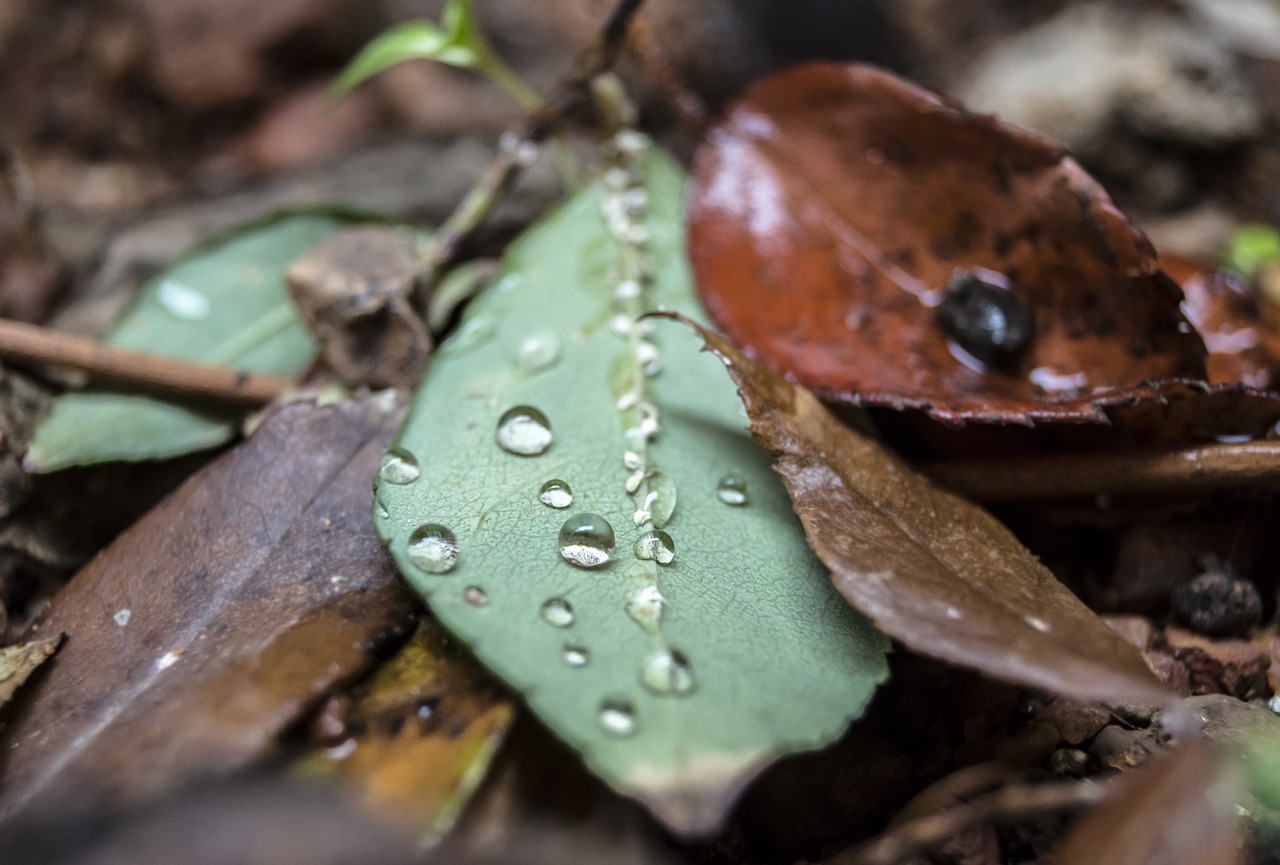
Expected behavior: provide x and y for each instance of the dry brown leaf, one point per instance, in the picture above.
(929, 568)
(1176, 812)
(215, 621)
(18, 662)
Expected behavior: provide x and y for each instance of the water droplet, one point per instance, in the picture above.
(475, 596)
(182, 301)
(556, 494)
(472, 332)
(618, 718)
(524, 431)
(558, 612)
(586, 540)
(538, 352)
(122, 617)
(433, 548)
(399, 467)
(667, 672)
(645, 606)
(1039, 624)
(576, 656)
(656, 545)
(953, 613)
(732, 490)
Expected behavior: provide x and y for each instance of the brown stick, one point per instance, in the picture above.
(1210, 468)
(1009, 803)
(28, 342)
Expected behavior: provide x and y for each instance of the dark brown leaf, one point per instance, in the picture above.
(214, 622)
(834, 206)
(929, 568)
(1176, 811)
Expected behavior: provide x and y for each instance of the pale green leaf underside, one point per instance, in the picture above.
(781, 662)
(225, 305)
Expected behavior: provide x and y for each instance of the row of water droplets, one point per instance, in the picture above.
(588, 540)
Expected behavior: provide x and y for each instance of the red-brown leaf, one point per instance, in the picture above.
(250, 592)
(832, 206)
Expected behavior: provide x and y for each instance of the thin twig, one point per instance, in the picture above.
(517, 151)
(1209, 468)
(1015, 802)
(153, 372)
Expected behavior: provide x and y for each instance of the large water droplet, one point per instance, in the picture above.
(586, 540)
(656, 545)
(399, 467)
(183, 301)
(524, 431)
(433, 548)
(556, 494)
(558, 612)
(475, 596)
(667, 672)
(645, 606)
(618, 718)
(538, 352)
(732, 490)
(576, 656)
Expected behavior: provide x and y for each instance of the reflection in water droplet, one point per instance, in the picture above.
(399, 467)
(433, 548)
(645, 606)
(524, 431)
(586, 540)
(556, 494)
(618, 718)
(656, 545)
(538, 352)
(1039, 624)
(732, 490)
(558, 612)
(475, 596)
(576, 656)
(667, 672)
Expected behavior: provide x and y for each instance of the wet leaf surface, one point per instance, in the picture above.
(1178, 810)
(419, 735)
(932, 570)
(214, 622)
(18, 662)
(224, 305)
(552, 441)
(878, 243)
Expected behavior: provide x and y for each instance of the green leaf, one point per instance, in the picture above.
(455, 45)
(754, 655)
(226, 305)
(1253, 247)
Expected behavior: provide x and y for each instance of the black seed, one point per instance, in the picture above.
(985, 320)
(1217, 604)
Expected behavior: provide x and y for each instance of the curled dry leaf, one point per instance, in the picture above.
(885, 246)
(1178, 811)
(214, 622)
(929, 568)
(353, 291)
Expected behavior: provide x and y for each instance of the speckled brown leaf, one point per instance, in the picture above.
(833, 205)
(929, 568)
(418, 736)
(1177, 811)
(215, 621)
(18, 662)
